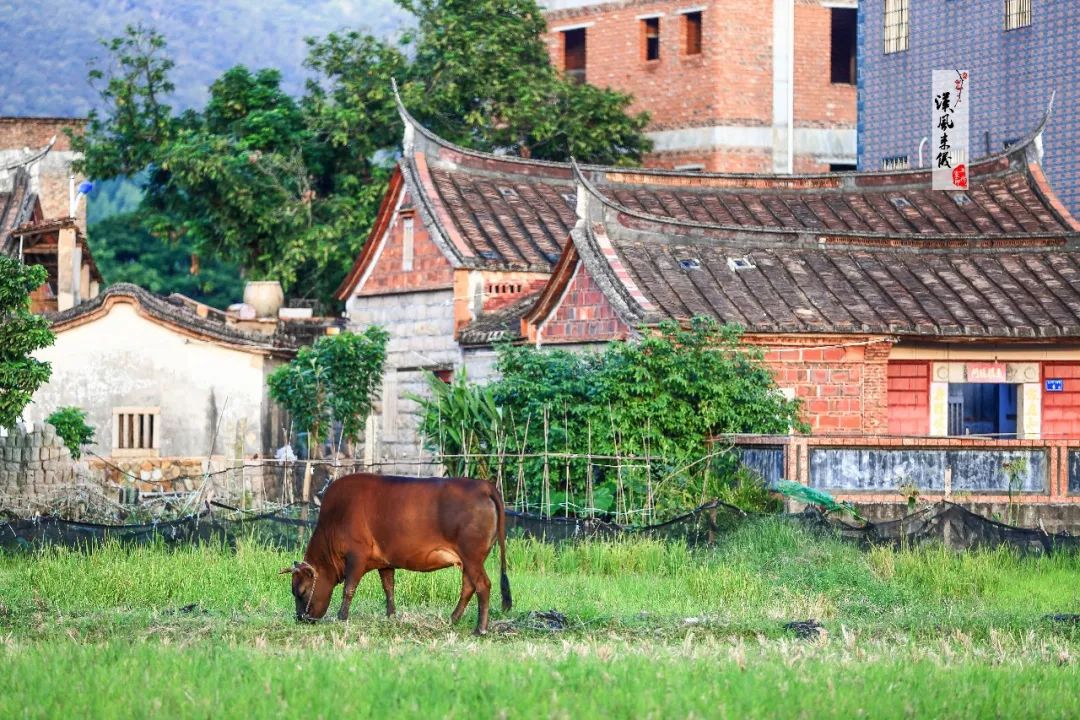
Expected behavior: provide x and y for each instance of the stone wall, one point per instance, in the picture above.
(35, 464)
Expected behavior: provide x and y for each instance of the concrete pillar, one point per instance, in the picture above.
(783, 74)
(1029, 411)
(939, 409)
(66, 269)
(84, 281)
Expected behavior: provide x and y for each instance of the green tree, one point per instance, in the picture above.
(127, 135)
(125, 251)
(70, 424)
(482, 77)
(21, 333)
(333, 381)
(287, 188)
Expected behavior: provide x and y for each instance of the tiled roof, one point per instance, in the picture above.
(183, 314)
(497, 325)
(657, 269)
(495, 212)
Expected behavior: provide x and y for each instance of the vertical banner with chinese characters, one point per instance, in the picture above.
(949, 151)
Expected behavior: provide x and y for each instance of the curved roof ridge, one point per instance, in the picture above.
(1016, 152)
(916, 238)
(166, 311)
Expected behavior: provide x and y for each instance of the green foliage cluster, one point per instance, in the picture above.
(21, 333)
(645, 411)
(125, 251)
(333, 381)
(287, 187)
(70, 424)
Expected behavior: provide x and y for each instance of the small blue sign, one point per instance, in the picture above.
(1055, 385)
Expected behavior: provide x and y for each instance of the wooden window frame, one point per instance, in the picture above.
(693, 46)
(647, 26)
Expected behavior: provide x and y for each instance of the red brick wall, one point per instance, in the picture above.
(818, 101)
(729, 82)
(17, 133)
(1061, 411)
(584, 314)
(842, 389)
(34, 134)
(909, 398)
(430, 269)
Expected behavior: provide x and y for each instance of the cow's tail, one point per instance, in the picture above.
(504, 581)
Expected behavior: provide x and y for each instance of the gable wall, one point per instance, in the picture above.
(122, 359)
(430, 269)
(583, 314)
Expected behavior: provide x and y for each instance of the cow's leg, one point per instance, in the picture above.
(387, 576)
(466, 595)
(483, 598)
(354, 570)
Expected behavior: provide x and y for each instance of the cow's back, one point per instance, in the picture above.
(400, 519)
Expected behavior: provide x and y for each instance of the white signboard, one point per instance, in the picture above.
(949, 151)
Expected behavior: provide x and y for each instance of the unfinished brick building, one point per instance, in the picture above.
(931, 336)
(758, 86)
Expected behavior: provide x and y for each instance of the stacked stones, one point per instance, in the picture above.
(34, 464)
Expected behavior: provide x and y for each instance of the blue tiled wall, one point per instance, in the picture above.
(1012, 76)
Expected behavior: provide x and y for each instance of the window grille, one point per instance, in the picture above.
(136, 431)
(897, 28)
(1017, 14)
(896, 162)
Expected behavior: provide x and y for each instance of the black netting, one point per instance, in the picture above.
(290, 527)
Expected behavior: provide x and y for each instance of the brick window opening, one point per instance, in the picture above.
(896, 162)
(692, 24)
(136, 431)
(407, 244)
(843, 45)
(896, 26)
(841, 167)
(1017, 14)
(574, 54)
(503, 288)
(651, 33)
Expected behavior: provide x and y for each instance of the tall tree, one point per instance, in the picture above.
(21, 333)
(482, 76)
(288, 188)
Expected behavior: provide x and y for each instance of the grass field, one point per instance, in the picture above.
(654, 630)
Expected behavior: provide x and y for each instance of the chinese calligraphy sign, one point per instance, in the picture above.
(949, 153)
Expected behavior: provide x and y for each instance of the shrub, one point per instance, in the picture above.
(70, 424)
(632, 423)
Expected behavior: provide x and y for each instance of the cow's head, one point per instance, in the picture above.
(305, 580)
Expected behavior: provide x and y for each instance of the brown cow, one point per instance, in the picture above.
(374, 522)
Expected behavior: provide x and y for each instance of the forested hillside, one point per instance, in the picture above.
(45, 45)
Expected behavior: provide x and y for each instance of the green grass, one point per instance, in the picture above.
(656, 629)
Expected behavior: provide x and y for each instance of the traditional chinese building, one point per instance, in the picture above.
(1019, 53)
(753, 86)
(931, 336)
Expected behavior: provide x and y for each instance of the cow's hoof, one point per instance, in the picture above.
(479, 633)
